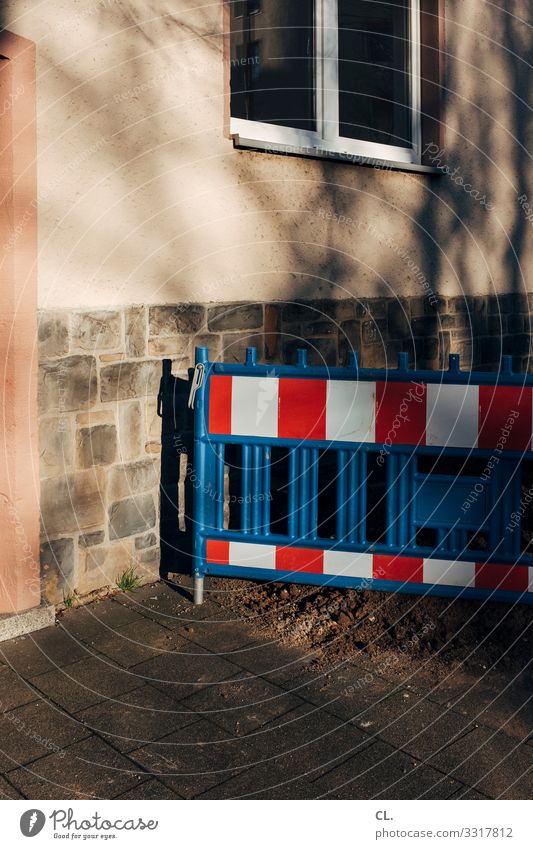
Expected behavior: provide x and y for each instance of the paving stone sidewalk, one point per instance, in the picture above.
(142, 696)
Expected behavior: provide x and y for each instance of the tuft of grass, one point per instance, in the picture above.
(129, 580)
(68, 600)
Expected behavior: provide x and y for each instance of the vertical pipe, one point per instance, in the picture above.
(403, 501)
(353, 496)
(198, 589)
(341, 495)
(219, 487)
(391, 500)
(515, 541)
(363, 469)
(292, 496)
(202, 467)
(246, 473)
(412, 497)
(267, 456)
(257, 487)
(303, 494)
(313, 498)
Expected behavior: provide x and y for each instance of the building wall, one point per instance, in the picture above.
(100, 436)
(151, 225)
(144, 200)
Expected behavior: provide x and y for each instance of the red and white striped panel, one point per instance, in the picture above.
(377, 567)
(402, 413)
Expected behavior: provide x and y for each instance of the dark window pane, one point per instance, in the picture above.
(272, 62)
(374, 82)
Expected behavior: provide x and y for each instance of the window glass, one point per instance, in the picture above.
(374, 80)
(272, 62)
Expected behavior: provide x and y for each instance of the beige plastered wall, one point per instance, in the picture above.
(143, 198)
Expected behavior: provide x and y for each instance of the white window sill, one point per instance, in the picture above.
(333, 155)
(255, 135)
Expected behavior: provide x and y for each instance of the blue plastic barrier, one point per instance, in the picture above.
(397, 480)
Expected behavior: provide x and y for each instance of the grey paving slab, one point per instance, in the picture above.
(346, 690)
(279, 663)
(171, 608)
(86, 770)
(135, 718)
(186, 671)
(308, 737)
(243, 704)
(491, 762)
(151, 789)
(419, 727)
(468, 794)
(132, 643)
(42, 651)
(85, 683)
(7, 791)
(194, 759)
(491, 699)
(232, 639)
(34, 730)
(82, 621)
(14, 691)
(291, 752)
(261, 782)
(380, 771)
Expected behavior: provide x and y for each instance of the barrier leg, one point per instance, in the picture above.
(198, 589)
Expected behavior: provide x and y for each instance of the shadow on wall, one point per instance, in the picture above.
(181, 206)
(176, 464)
(189, 207)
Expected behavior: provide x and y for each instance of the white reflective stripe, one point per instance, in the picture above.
(254, 406)
(252, 555)
(449, 573)
(452, 415)
(530, 580)
(348, 564)
(350, 410)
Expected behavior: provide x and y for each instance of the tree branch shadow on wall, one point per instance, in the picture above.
(447, 233)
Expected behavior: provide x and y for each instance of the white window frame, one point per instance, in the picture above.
(326, 140)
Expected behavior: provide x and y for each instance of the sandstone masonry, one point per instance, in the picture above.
(100, 437)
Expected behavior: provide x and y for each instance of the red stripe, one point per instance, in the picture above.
(220, 404)
(302, 408)
(217, 551)
(493, 576)
(300, 560)
(505, 418)
(388, 567)
(401, 413)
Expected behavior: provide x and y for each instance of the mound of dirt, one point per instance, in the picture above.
(344, 623)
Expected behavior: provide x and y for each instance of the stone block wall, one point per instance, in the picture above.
(100, 436)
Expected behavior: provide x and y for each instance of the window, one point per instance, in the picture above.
(343, 78)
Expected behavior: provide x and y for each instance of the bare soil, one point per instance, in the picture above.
(407, 629)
